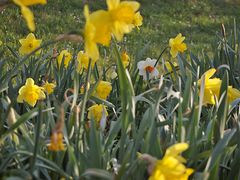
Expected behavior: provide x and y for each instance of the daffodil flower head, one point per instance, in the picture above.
(83, 61)
(29, 44)
(171, 166)
(96, 112)
(26, 12)
(30, 93)
(147, 68)
(103, 89)
(233, 94)
(49, 87)
(66, 56)
(176, 44)
(124, 17)
(125, 59)
(137, 21)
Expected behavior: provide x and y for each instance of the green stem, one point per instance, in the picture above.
(160, 55)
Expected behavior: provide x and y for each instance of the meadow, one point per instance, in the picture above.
(119, 89)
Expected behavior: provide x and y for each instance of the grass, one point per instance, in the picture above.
(197, 20)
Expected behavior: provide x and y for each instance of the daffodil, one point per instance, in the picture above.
(97, 112)
(30, 93)
(211, 88)
(147, 68)
(56, 142)
(103, 89)
(29, 44)
(177, 45)
(172, 165)
(125, 59)
(83, 60)
(124, 16)
(233, 94)
(137, 20)
(66, 56)
(96, 31)
(26, 12)
(49, 87)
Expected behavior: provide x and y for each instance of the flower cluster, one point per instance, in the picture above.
(212, 88)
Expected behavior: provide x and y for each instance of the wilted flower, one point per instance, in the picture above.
(49, 87)
(171, 166)
(103, 89)
(26, 12)
(125, 59)
(147, 68)
(96, 112)
(123, 16)
(29, 44)
(66, 56)
(177, 45)
(30, 93)
(56, 142)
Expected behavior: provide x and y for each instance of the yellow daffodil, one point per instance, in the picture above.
(29, 44)
(169, 67)
(83, 61)
(233, 94)
(124, 17)
(96, 112)
(56, 142)
(30, 93)
(171, 166)
(66, 56)
(177, 45)
(49, 87)
(96, 30)
(212, 87)
(26, 12)
(125, 59)
(103, 89)
(137, 20)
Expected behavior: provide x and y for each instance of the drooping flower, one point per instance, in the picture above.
(26, 12)
(124, 16)
(49, 87)
(29, 44)
(147, 68)
(125, 59)
(83, 61)
(103, 89)
(56, 142)
(176, 44)
(96, 30)
(66, 56)
(30, 93)
(96, 112)
(172, 165)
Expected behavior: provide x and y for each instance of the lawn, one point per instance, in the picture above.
(200, 21)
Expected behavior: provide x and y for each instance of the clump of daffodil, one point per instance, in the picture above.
(56, 142)
(29, 44)
(171, 166)
(96, 112)
(125, 59)
(30, 93)
(83, 60)
(49, 87)
(176, 44)
(103, 89)
(96, 31)
(26, 12)
(212, 89)
(66, 56)
(124, 17)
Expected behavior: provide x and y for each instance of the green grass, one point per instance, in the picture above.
(197, 20)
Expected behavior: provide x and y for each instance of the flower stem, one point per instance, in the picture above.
(160, 55)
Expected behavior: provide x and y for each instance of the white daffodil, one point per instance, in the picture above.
(147, 68)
